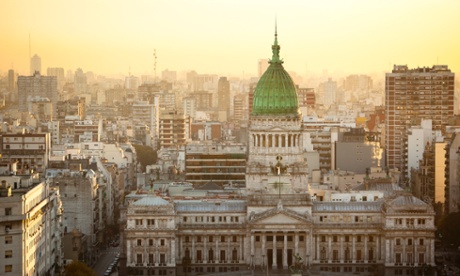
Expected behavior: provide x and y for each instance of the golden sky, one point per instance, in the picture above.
(229, 36)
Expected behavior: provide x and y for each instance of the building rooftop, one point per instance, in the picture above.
(210, 206)
(373, 206)
(150, 201)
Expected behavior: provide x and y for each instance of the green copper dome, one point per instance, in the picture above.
(275, 93)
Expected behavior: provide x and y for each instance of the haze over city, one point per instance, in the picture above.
(229, 37)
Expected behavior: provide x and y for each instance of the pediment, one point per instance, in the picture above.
(279, 217)
(277, 129)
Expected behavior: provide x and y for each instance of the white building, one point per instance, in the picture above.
(30, 227)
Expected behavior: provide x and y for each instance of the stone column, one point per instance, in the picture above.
(366, 256)
(387, 258)
(274, 251)
(285, 262)
(252, 244)
(377, 248)
(205, 250)
(341, 255)
(157, 254)
(353, 248)
(429, 248)
(241, 258)
(173, 251)
(317, 253)
(308, 245)
(193, 249)
(216, 251)
(403, 244)
(296, 243)
(329, 248)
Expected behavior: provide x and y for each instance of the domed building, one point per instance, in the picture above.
(274, 227)
(276, 163)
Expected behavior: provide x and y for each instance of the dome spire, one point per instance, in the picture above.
(276, 47)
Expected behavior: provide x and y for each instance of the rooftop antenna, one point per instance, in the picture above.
(30, 65)
(154, 64)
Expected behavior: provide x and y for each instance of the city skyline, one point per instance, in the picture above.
(227, 37)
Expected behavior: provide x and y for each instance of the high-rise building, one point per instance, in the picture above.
(262, 65)
(452, 173)
(59, 74)
(80, 82)
(35, 64)
(223, 94)
(30, 227)
(239, 109)
(329, 91)
(36, 85)
(410, 96)
(148, 114)
(172, 129)
(170, 76)
(11, 80)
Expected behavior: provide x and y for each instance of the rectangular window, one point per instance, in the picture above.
(222, 238)
(150, 222)
(162, 242)
(139, 258)
(421, 258)
(301, 238)
(398, 241)
(150, 242)
(139, 242)
(8, 268)
(410, 259)
(210, 239)
(8, 212)
(421, 242)
(138, 222)
(8, 239)
(151, 259)
(398, 258)
(409, 241)
(8, 254)
(257, 238)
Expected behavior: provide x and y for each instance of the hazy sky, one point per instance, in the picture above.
(229, 36)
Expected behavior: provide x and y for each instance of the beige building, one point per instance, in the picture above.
(30, 227)
(410, 96)
(30, 150)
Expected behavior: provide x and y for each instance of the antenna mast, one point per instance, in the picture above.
(30, 62)
(154, 64)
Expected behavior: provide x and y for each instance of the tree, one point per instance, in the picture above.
(77, 268)
(145, 155)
